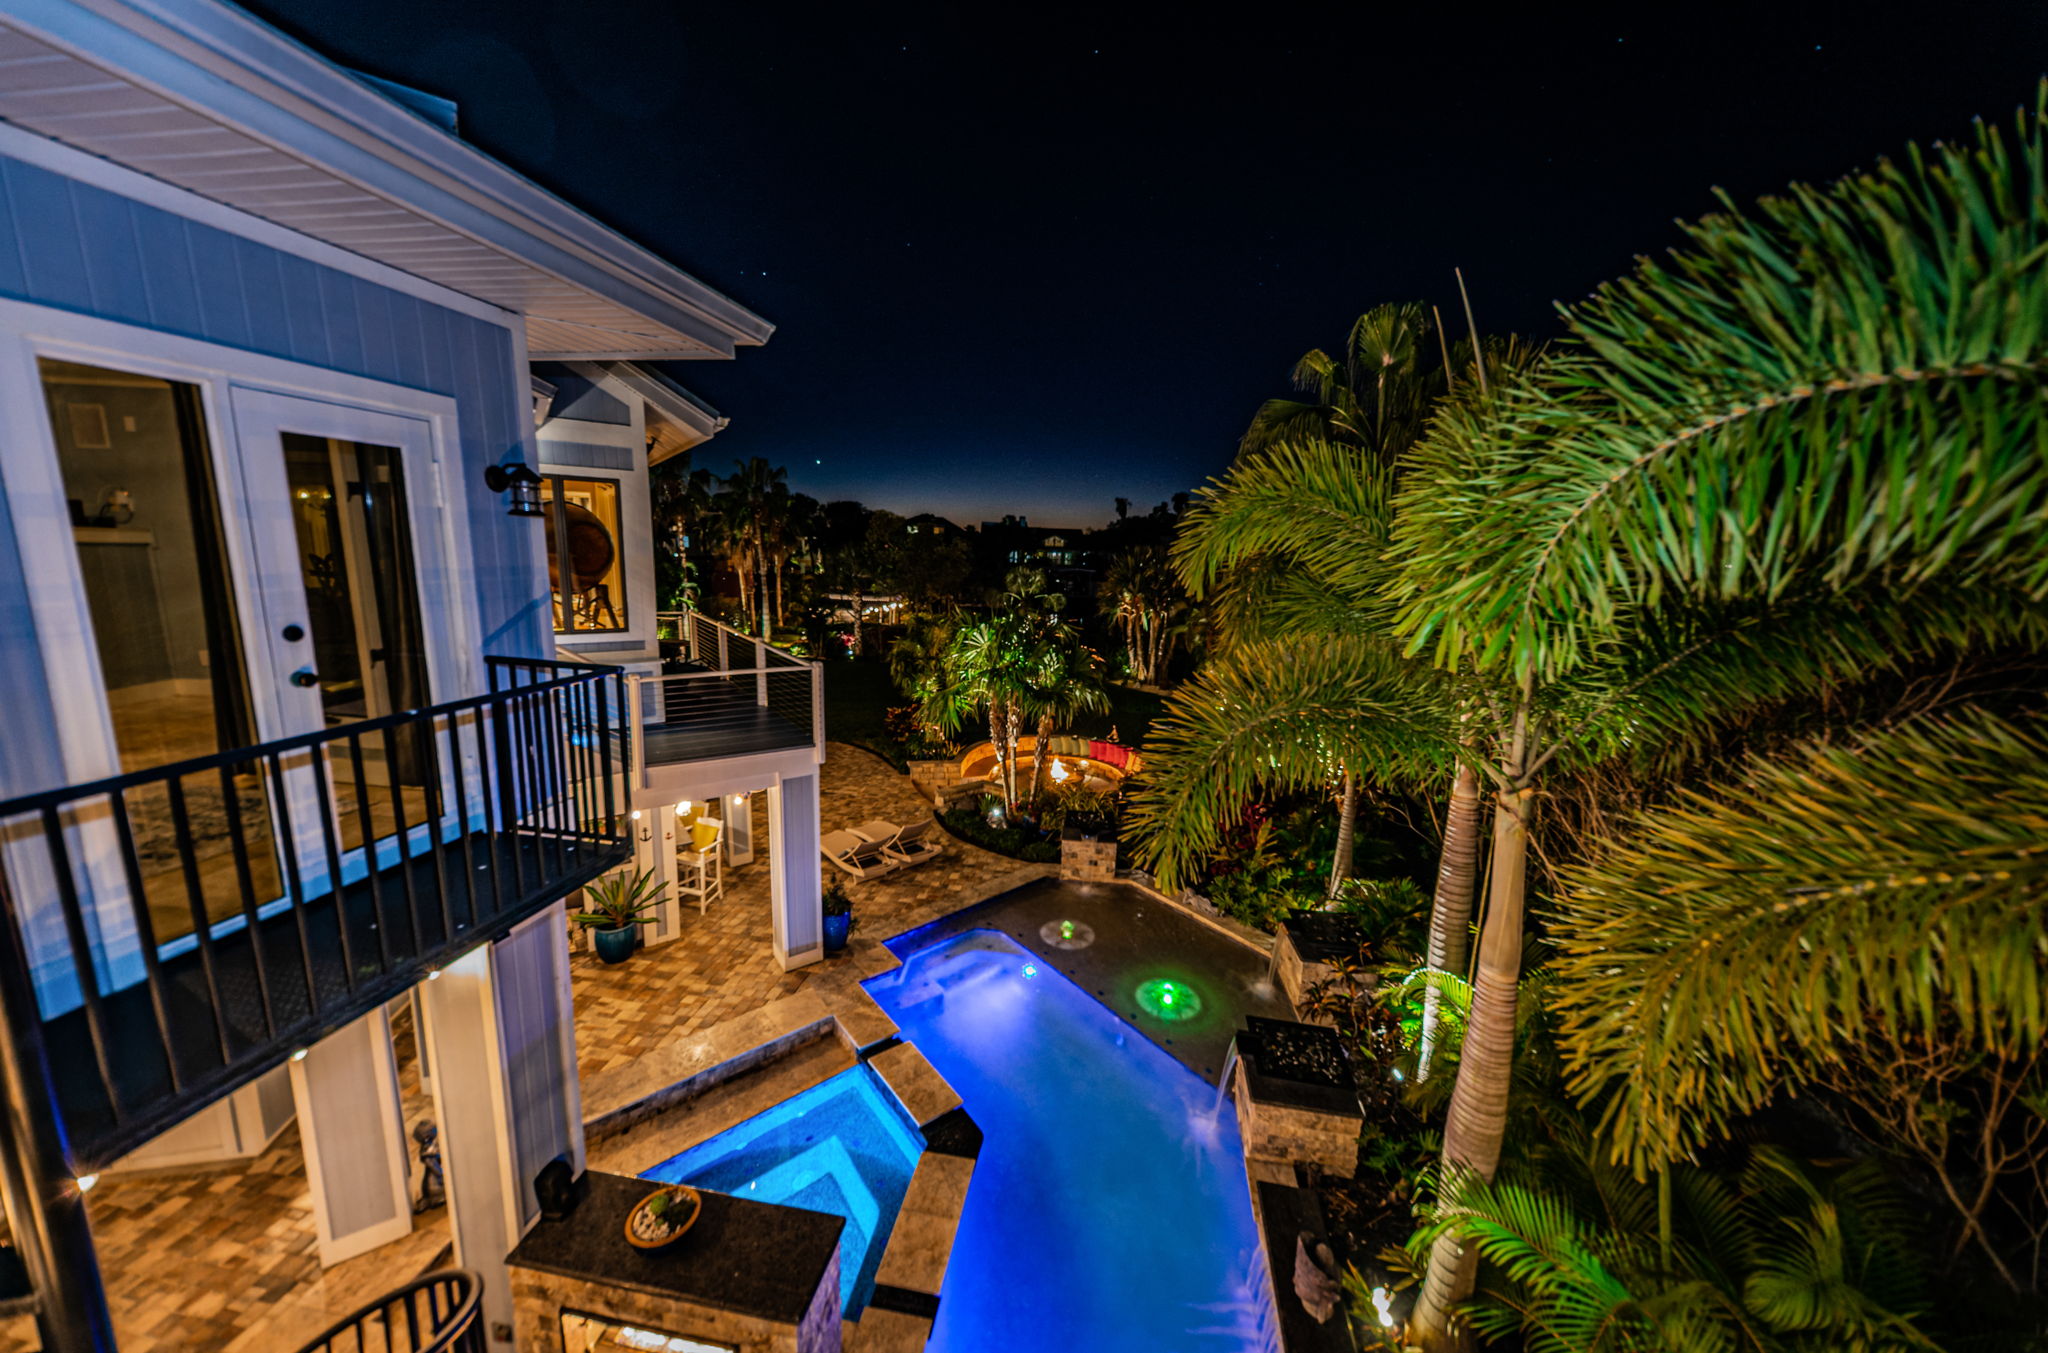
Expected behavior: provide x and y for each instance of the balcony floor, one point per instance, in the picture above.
(246, 973)
(740, 732)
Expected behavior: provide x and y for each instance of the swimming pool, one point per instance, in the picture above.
(1108, 1208)
(843, 1146)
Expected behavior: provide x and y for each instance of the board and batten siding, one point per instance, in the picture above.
(79, 247)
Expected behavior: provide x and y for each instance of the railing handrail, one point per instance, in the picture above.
(713, 620)
(462, 1317)
(134, 779)
(805, 670)
(309, 916)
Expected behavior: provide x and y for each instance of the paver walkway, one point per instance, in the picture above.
(224, 1259)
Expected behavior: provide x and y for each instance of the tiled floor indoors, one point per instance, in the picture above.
(225, 1259)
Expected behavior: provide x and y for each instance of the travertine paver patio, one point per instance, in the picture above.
(722, 965)
(224, 1259)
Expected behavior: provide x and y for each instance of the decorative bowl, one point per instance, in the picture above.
(647, 1230)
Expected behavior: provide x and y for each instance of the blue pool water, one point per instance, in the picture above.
(843, 1146)
(1108, 1209)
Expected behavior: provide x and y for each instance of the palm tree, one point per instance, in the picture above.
(752, 501)
(1376, 393)
(1143, 598)
(1826, 413)
(1066, 681)
(986, 670)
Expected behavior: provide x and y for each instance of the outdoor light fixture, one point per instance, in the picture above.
(433, 974)
(646, 833)
(299, 1056)
(1165, 999)
(85, 1182)
(524, 484)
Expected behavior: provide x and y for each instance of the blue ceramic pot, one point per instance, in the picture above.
(836, 929)
(615, 945)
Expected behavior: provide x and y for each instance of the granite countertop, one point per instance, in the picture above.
(757, 1259)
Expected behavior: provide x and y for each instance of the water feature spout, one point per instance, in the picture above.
(1223, 1081)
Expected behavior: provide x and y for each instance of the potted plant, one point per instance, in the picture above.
(616, 906)
(838, 916)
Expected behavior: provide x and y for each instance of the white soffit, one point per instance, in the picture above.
(204, 97)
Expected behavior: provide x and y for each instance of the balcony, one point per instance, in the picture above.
(178, 931)
(725, 695)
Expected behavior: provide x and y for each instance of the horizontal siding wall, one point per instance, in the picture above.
(77, 247)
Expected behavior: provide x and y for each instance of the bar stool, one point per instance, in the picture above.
(700, 868)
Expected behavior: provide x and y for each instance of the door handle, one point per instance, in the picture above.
(304, 677)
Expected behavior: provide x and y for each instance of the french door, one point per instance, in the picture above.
(339, 500)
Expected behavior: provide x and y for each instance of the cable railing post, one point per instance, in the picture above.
(818, 709)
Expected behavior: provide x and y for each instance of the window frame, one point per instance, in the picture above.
(557, 521)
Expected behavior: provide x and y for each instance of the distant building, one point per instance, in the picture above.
(927, 524)
(1062, 551)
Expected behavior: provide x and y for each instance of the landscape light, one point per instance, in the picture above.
(1165, 999)
(85, 1182)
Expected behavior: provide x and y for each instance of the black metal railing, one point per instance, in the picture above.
(187, 927)
(440, 1313)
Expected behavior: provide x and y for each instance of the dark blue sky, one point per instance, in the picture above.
(1026, 261)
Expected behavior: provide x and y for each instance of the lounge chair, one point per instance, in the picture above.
(877, 830)
(915, 844)
(859, 857)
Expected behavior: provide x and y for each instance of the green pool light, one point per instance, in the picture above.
(1165, 999)
(1066, 930)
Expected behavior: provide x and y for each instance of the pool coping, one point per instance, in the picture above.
(913, 1266)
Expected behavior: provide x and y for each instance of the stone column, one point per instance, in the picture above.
(793, 864)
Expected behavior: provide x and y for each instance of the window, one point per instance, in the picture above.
(585, 569)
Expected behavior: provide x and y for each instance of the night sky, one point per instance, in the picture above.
(1028, 261)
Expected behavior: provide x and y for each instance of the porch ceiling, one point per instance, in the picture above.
(208, 99)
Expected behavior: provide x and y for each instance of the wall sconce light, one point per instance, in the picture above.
(524, 484)
(646, 832)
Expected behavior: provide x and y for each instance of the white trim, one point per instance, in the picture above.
(36, 499)
(226, 65)
(40, 151)
(622, 435)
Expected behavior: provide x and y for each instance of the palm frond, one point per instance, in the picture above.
(1846, 379)
(1752, 928)
(1278, 716)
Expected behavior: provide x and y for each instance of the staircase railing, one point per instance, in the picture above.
(439, 1313)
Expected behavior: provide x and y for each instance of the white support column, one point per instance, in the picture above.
(500, 1032)
(799, 919)
(667, 839)
(352, 1132)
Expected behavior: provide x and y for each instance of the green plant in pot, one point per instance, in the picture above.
(838, 908)
(615, 907)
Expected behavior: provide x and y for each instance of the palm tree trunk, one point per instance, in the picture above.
(1038, 759)
(761, 581)
(1479, 1105)
(1450, 913)
(1347, 828)
(857, 607)
(780, 617)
